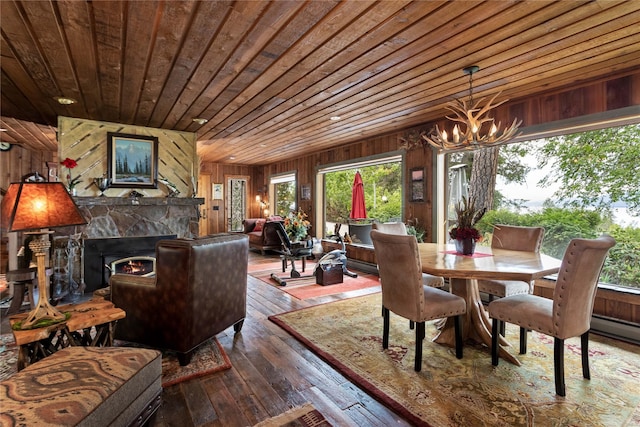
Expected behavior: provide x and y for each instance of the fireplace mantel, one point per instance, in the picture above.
(144, 216)
(141, 201)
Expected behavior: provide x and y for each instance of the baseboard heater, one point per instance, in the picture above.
(625, 331)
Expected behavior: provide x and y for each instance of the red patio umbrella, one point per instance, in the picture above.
(358, 209)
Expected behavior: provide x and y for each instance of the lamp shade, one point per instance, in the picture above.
(36, 205)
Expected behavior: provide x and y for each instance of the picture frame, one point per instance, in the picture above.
(132, 160)
(417, 185)
(217, 191)
(305, 192)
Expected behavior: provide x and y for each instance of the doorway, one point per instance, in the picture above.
(236, 202)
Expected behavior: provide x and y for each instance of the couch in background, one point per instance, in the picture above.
(262, 233)
(199, 290)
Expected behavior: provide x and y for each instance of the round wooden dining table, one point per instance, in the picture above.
(463, 272)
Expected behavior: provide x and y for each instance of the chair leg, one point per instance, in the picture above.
(458, 332)
(523, 340)
(294, 273)
(385, 327)
(411, 324)
(558, 365)
(419, 338)
(495, 327)
(503, 328)
(584, 345)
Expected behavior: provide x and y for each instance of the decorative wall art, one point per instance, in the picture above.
(305, 192)
(133, 160)
(217, 191)
(417, 185)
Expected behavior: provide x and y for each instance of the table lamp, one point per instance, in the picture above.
(32, 206)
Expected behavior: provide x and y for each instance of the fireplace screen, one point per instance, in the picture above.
(137, 265)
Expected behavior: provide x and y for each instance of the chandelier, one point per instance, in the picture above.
(470, 115)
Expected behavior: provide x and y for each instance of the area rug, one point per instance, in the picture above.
(305, 288)
(470, 391)
(302, 416)
(207, 359)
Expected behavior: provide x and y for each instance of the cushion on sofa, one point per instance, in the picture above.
(86, 386)
(259, 225)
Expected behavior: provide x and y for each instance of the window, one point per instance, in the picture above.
(579, 184)
(283, 188)
(382, 183)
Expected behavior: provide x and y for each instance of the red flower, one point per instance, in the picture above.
(465, 233)
(69, 163)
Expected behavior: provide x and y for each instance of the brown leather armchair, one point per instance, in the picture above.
(199, 290)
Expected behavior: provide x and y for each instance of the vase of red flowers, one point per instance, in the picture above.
(71, 182)
(464, 233)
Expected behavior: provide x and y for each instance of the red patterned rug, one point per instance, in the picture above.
(306, 287)
(207, 359)
(470, 391)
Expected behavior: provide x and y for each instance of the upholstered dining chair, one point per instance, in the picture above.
(515, 238)
(404, 294)
(567, 315)
(398, 228)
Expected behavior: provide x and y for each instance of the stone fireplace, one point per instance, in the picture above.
(129, 227)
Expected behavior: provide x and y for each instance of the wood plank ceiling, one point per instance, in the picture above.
(268, 76)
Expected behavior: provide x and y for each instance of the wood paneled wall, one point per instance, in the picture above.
(18, 162)
(579, 99)
(214, 216)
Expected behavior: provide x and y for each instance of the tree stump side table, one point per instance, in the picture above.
(92, 323)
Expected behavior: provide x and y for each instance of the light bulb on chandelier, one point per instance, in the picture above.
(471, 116)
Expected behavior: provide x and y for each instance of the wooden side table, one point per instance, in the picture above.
(92, 323)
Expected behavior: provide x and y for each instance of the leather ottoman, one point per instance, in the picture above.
(85, 386)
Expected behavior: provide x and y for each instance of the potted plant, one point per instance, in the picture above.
(296, 225)
(464, 233)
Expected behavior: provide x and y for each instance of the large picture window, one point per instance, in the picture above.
(283, 188)
(574, 185)
(382, 183)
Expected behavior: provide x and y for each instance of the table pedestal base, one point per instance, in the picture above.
(476, 325)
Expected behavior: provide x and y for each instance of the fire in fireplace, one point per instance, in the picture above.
(137, 265)
(100, 253)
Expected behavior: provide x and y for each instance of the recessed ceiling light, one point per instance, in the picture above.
(334, 118)
(263, 145)
(200, 120)
(65, 101)
(232, 157)
(3, 130)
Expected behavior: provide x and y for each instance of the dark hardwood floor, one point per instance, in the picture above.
(272, 372)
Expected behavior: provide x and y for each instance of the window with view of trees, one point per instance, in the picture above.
(382, 191)
(285, 198)
(577, 185)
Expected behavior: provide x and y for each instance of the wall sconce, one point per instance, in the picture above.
(263, 206)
